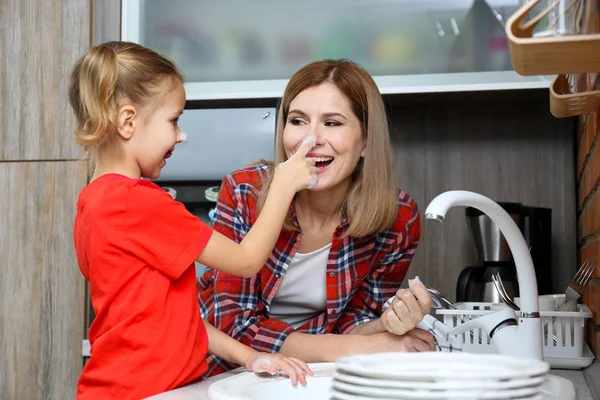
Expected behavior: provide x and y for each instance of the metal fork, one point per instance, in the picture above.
(502, 291)
(506, 298)
(445, 303)
(577, 284)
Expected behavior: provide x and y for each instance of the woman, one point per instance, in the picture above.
(347, 242)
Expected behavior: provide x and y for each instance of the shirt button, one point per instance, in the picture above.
(331, 274)
(333, 311)
(293, 240)
(338, 234)
(278, 275)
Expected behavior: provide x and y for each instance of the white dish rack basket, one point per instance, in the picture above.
(563, 342)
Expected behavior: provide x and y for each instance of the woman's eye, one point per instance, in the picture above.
(175, 121)
(332, 123)
(295, 121)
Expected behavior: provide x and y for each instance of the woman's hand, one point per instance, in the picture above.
(273, 363)
(407, 309)
(416, 340)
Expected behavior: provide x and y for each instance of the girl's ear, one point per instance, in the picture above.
(126, 120)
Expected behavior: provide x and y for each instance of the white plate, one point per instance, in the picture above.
(451, 384)
(250, 386)
(338, 394)
(389, 393)
(434, 366)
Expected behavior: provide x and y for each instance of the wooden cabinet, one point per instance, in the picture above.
(234, 49)
(39, 42)
(42, 292)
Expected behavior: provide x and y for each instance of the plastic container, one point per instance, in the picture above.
(569, 350)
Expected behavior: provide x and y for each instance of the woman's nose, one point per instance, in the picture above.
(316, 132)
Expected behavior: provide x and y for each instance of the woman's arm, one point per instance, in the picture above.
(329, 347)
(368, 328)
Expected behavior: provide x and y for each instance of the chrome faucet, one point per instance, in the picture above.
(522, 339)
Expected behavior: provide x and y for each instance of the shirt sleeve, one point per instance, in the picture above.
(161, 232)
(389, 271)
(233, 304)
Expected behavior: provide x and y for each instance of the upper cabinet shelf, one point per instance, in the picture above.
(231, 49)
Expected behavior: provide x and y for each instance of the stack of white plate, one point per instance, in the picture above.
(435, 375)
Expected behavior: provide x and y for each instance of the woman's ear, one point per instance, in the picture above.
(126, 120)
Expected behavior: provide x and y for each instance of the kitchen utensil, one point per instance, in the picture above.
(502, 291)
(439, 299)
(577, 284)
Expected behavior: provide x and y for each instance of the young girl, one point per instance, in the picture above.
(137, 246)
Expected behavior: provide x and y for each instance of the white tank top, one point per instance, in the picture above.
(302, 294)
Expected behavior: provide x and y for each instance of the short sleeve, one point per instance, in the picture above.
(162, 232)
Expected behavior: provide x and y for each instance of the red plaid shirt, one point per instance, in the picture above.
(362, 273)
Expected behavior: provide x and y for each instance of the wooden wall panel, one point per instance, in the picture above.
(41, 287)
(39, 42)
(504, 145)
(107, 21)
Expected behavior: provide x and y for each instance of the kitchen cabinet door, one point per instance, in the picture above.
(42, 291)
(249, 49)
(39, 42)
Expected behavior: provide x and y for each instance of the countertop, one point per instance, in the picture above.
(587, 384)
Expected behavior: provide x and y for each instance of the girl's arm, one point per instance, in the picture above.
(247, 258)
(221, 345)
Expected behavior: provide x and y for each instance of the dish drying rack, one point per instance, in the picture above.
(569, 350)
(567, 54)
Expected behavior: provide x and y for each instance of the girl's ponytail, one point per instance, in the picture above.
(93, 96)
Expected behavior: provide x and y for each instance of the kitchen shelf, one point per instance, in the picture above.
(564, 102)
(567, 53)
(391, 84)
(231, 50)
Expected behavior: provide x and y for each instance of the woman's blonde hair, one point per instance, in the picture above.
(371, 205)
(110, 73)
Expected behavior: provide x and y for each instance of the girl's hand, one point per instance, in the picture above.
(273, 363)
(298, 172)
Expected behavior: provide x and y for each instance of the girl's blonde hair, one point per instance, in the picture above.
(371, 205)
(110, 74)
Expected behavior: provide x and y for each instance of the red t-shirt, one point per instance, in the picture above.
(136, 246)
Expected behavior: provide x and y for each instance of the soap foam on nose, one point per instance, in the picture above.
(184, 137)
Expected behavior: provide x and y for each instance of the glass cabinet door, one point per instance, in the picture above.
(249, 49)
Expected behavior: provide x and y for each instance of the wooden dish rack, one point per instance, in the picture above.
(562, 55)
